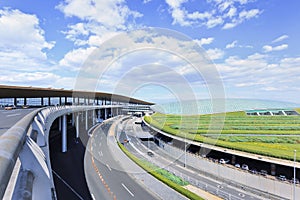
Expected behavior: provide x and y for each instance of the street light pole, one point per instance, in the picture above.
(184, 152)
(294, 193)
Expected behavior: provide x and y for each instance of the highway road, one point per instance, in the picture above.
(103, 179)
(162, 159)
(8, 118)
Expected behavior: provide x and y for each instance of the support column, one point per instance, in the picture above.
(49, 101)
(25, 101)
(86, 120)
(94, 117)
(42, 101)
(73, 119)
(60, 101)
(15, 101)
(99, 114)
(59, 123)
(105, 114)
(64, 133)
(77, 125)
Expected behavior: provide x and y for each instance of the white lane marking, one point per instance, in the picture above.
(59, 177)
(12, 115)
(93, 197)
(100, 153)
(128, 190)
(108, 167)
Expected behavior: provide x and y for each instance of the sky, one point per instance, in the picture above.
(254, 46)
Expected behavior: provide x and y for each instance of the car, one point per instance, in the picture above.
(150, 154)
(237, 165)
(222, 161)
(263, 172)
(281, 177)
(296, 180)
(253, 171)
(10, 107)
(245, 167)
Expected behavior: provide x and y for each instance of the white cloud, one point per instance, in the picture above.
(21, 32)
(212, 22)
(279, 39)
(75, 58)
(204, 41)
(113, 13)
(249, 14)
(242, 17)
(231, 45)
(268, 48)
(22, 42)
(230, 12)
(215, 54)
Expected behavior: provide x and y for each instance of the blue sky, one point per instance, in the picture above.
(253, 44)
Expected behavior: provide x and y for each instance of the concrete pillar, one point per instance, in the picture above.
(25, 101)
(49, 101)
(94, 117)
(77, 125)
(73, 119)
(99, 114)
(59, 123)
(64, 133)
(42, 101)
(105, 114)
(59, 100)
(15, 101)
(86, 120)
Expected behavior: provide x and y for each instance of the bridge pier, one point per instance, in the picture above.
(77, 125)
(86, 120)
(64, 133)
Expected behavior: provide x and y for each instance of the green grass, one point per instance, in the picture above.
(164, 176)
(253, 131)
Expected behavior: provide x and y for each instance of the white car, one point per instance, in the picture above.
(222, 161)
(245, 167)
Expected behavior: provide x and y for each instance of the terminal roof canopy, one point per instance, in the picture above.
(35, 92)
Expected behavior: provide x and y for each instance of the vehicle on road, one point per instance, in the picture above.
(9, 107)
(245, 167)
(263, 172)
(281, 178)
(296, 180)
(150, 154)
(253, 171)
(237, 165)
(222, 161)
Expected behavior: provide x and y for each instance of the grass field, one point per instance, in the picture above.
(275, 136)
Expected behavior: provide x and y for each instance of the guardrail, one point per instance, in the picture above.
(13, 140)
(11, 143)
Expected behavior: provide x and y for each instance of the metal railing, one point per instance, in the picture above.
(13, 140)
(11, 143)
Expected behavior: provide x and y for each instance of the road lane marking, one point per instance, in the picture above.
(60, 178)
(13, 115)
(128, 190)
(108, 167)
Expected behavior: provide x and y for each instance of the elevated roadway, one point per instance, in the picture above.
(8, 118)
(104, 180)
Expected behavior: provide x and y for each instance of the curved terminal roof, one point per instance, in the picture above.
(36, 92)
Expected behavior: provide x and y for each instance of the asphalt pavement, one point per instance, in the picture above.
(8, 118)
(162, 159)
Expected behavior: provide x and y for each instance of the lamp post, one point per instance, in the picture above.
(294, 189)
(184, 152)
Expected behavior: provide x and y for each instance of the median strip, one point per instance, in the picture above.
(164, 176)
